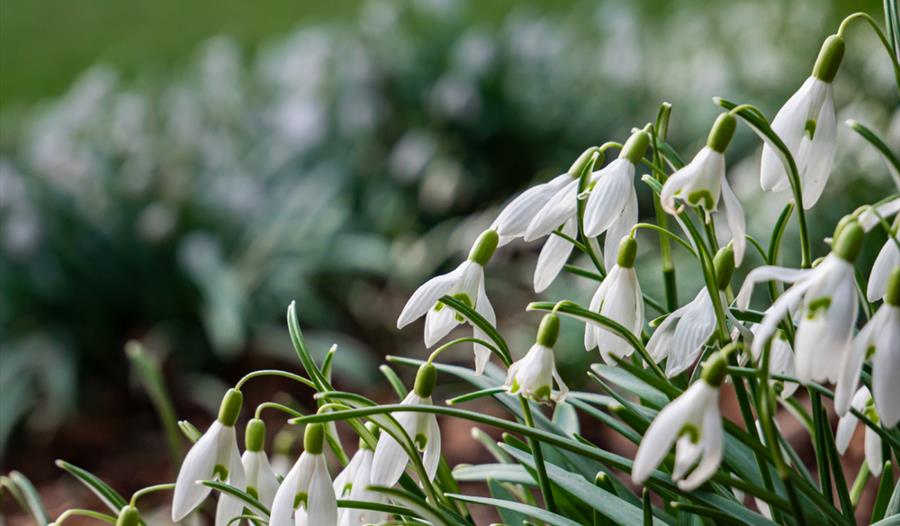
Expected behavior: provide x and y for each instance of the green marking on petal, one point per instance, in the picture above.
(421, 441)
(701, 198)
(301, 498)
(818, 307)
(220, 472)
(542, 393)
(870, 351)
(691, 431)
(253, 492)
(810, 128)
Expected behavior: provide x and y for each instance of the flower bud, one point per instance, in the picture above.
(314, 439)
(484, 247)
(425, 380)
(548, 331)
(849, 241)
(724, 265)
(627, 252)
(129, 516)
(231, 407)
(892, 292)
(579, 165)
(635, 146)
(255, 435)
(829, 59)
(721, 132)
(714, 369)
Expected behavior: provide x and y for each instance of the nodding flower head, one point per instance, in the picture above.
(261, 480)
(533, 375)
(466, 284)
(806, 124)
(306, 495)
(702, 183)
(862, 402)
(692, 423)
(214, 456)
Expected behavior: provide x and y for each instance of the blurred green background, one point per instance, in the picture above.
(177, 172)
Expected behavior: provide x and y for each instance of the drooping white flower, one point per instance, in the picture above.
(533, 375)
(702, 182)
(681, 336)
(515, 217)
(618, 298)
(261, 480)
(612, 205)
(306, 496)
(880, 341)
(465, 283)
(390, 459)
(862, 402)
(693, 423)
(888, 259)
(827, 297)
(870, 216)
(353, 483)
(214, 456)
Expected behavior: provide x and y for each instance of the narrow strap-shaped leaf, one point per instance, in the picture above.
(479, 321)
(28, 498)
(189, 430)
(239, 494)
(883, 496)
(104, 492)
(498, 491)
(512, 473)
(421, 508)
(872, 138)
(394, 380)
(531, 511)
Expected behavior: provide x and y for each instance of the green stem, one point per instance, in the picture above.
(538, 455)
(819, 443)
(274, 372)
(150, 489)
(881, 36)
(659, 133)
(860, 483)
(84, 513)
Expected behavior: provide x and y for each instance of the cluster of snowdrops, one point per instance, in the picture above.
(827, 322)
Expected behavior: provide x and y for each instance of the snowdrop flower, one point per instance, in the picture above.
(702, 182)
(806, 124)
(862, 402)
(888, 259)
(353, 483)
(515, 217)
(612, 205)
(390, 459)
(306, 496)
(618, 298)
(692, 422)
(827, 295)
(533, 375)
(465, 283)
(880, 340)
(214, 456)
(261, 480)
(869, 216)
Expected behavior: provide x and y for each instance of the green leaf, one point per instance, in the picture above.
(882, 498)
(498, 491)
(28, 498)
(479, 321)
(251, 501)
(394, 380)
(872, 138)
(147, 368)
(629, 382)
(189, 430)
(512, 473)
(566, 418)
(531, 511)
(106, 494)
(607, 504)
(419, 506)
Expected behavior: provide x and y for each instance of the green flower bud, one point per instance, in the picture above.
(627, 252)
(484, 247)
(231, 407)
(129, 516)
(721, 132)
(724, 265)
(714, 369)
(635, 146)
(314, 439)
(425, 380)
(892, 293)
(829, 59)
(849, 241)
(255, 435)
(548, 331)
(579, 165)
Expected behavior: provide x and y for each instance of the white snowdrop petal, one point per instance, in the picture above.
(561, 207)
(483, 306)
(886, 367)
(322, 502)
(198, 465)
(822, 150)
(620, 228)
(734, 214)
(790, 125)
(514, 219)
(888, 259)
(438, 324)
(427, 295)
(431, 456)
(608, 197)
(767, 273)
(873, 452)
(553, 256)
(711, 438)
